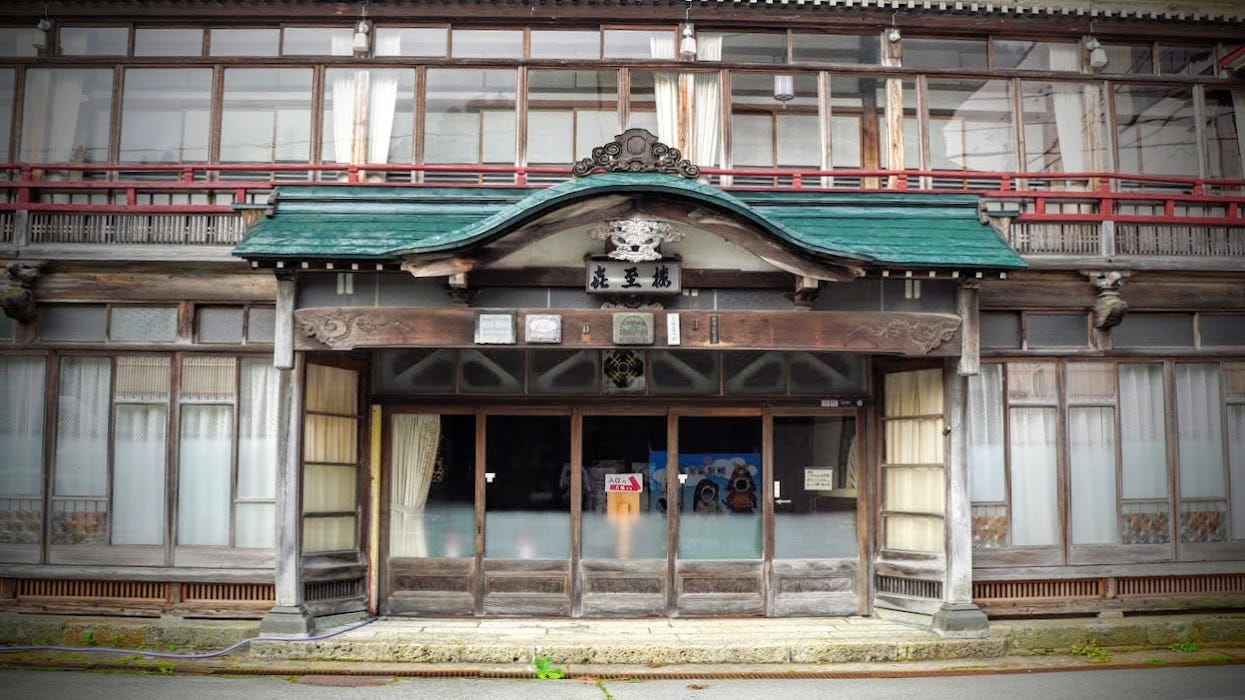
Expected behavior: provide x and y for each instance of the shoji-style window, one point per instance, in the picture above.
(913, 477)
(80, 477)
(331, 459)
(140, 432)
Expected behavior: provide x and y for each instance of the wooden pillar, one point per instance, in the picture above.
(892, 56)
(289, 615)
(283, 325)
(970, 327)
(958, 616)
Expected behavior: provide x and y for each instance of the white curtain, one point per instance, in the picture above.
(1238, 116)
(138, 474)
(345, 86)
(82, 427)
(987, 482)
(1091, 451)
(254, 524)
(707, 105)
(916, 441)
(1143, 431)
(1236, 448)
(1198, 431)
(1035, 509)
(1070, 123)
(203, 484)
(21, 425)
(383, 101)
(666, 91)
(414, 446)
(54, 101)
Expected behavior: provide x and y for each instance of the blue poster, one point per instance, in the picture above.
(717, 482)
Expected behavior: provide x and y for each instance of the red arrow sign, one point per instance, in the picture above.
(629, 483)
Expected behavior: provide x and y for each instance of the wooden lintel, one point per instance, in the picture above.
(437, 267)
(890, 333)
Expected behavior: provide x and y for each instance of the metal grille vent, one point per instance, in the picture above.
(325, 590)
(1181, 585)
(1013, 590)
(123, 590)
(264, 593)
(915, 588)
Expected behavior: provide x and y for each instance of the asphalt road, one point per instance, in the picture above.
(1166, 683)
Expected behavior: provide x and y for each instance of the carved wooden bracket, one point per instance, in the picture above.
(636, 151)
(1109, 308)
(916, 336)
(18, 301)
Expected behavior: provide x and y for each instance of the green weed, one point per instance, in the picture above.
(1186, 647)
(1092, 651)
(1156, 661)
(545, 670)
(88, 637)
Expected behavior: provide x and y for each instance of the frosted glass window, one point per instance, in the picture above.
(82, 427)
(332, 390)
(203, 484)
(428, 519)
(528, 513)
(329, 489)
(815, 523)
(94, 41)
(331, 439)
(1035, 512)
(1153, 330)
(266, 116)
(1091, 452)
(328, 534)
(985, 435)
(138, 474)
(21, 449)
(1000, 330)
(165, 115)
(255, 525)
(72, 323)
(259, 325)
(245, 42)
(1056, 330)
(220, 325)
(154, 324)
(414, 41)
(168, 42)
(1236, 450)
(66, 115)
(1198, 421)
(1143, 437)
(257, 430)
(208, 379)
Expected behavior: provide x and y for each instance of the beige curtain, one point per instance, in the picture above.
(707, 105)
(913, 477)
(414, 439)
(331, 459)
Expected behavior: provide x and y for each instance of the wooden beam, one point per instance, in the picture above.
(283, 324)
(970, 330)
(894, 333)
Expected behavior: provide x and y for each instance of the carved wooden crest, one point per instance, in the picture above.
(636, 151)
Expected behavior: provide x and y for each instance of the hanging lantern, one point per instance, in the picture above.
(784, 88)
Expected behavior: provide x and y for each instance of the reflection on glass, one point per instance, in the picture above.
(1036, 55)
(486, 43)
(564, 44)
(316, 41)
(970, 126)
(1155, 130)
(622, 516)
(66, 115)
(149, 41)
(835, 48)
(945, 53)
(721, 490)
(1063, 127)
(368, 115)
(528, 497)
(631, 43)
(750, 48)
(165, 115)
(94, 41)
(266, 116)
(432, 487)
(470, 116)
(815, 474)
(413, 41)
(1225, 116)
(569, 113)
(6, 112)
(244, 42)
(767, 132)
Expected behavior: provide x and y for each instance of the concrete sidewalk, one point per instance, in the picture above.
(448, 644)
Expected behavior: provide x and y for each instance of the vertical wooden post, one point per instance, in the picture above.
(577, 509)
(970, 330)
(892, 56)
(958, 616)
(673, 491)
(289, 615)
(283, 325)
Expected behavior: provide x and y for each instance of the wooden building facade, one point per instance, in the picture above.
(318, 309)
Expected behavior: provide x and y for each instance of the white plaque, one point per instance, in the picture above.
(818, 478)
(542, 328)
(672, 329)
(624, 483)
(495, 329)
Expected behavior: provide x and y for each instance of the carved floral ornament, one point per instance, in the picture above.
(636, 151)
(635, 239)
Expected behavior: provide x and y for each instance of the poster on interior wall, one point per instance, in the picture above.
(717, 483)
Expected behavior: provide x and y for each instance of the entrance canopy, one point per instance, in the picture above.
(847, 231)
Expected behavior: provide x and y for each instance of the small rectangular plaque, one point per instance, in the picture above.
(542, 328)
(633, 329)
(818, 478)
(495, 329)
(672, 329)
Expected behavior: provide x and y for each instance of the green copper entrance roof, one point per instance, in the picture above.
(377, 223)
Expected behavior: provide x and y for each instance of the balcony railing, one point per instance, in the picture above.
(141, 210)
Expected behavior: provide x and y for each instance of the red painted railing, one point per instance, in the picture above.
(1035, 198)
